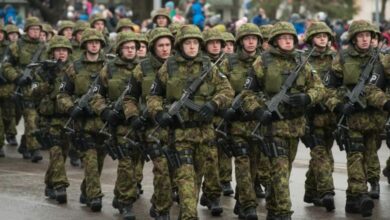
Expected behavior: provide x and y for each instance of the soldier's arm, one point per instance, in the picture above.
(374, 90)
(249, 96)
(224, 93)
(98, 101)
(154, 101)
(40, 86)
(224, 67)
(334, 81)
(64, 98)
(130, 102)
(11, 73)
(315, 89)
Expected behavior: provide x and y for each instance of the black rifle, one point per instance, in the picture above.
(354, 98)
(5, 59)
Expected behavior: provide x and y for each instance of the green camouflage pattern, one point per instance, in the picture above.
(124, 22)
(174, 27)
(282, 27)
(2, 131)
(188, 31)
(96, 17)
(143, 38)
(11, 28)
(212, 34)
(80, 26)
(93, 161)
(124, 37)
(59, 42)
(157, 33)
(48, 29)
(316, 28)
(163, 12)
(266, 30)
(65, 24)
(248, 29)
(32, 21)
(227, 36)
(90, 34)
(359, 26)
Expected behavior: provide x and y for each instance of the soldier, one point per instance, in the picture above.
(364, 123)
(124, 24)
(194, 141)
(47, 33)
(78, 29)
(86, 123)
(161, 42)
(282, 135)
(266, 31)
(3, 51)
(229, 42)
(98, 22)
(22, 52)
(319, 188)
(47, 82)
(212, 46)
(174, 27)
(238, 66)
(161, 18)
(66, 29)
(113, 80)
(143, 50)
(12, 31)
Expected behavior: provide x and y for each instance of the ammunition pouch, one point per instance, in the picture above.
(28, 104)
(186, 157)
(240, 149)
(154, 151)
(275, 148)
(356, 145)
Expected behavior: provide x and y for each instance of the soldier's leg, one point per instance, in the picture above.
(225, 172)
(139, 175)
(186, 181)
(9, 115)
(278, 201)
(206, 166)
(263, 175)
(30, 125)
(255, 157)
(372, 141)
(386, 170)
(2, 154)
(358, 200)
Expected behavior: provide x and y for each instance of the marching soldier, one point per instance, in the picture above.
(78, 29)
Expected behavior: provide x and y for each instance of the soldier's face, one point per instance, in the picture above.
(321, 40)
(265, 44)
(129, 50)
(143, 49)
(78, 36)
(214, 47)
(61, 54)
(67, 32)
(229, 47)
(249, 43)
(161, 21)
(1, 35)
(13, 36)
(93, 46)
(374, 42)
(43, 36)
(363, 40)
(162, 47)
(191, 47)
(34, 32)
(99, 25)
(286, 42)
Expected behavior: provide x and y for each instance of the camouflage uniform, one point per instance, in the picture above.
(283, 134)
(237, 67)
(86, 123)
(48, 29)
(174, 27)
(194, 142)
(99, 17)
(142, 79)
(21, 54)
(321, 123)
(113, 80)
(77, 51)
(124, 23)
(50, 133)
(65, 24)
(364, 124)
(161, 12)
(3, 50)
(266, 32)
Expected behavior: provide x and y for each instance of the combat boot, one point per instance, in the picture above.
(310, 197)
(83, 199)
(115, 203)
(237, 207)
(36, 156)
(140, 191)
(60, 195)
(156, 215)
(259, 191)
(126, 211)
(2, 154)
(227, 188)
(374, 190)
(49, 192)
(95, 204)
(386, 173)
(365, 205)
(327, 201)
(212, 205)
(248, 214)
(11, 139)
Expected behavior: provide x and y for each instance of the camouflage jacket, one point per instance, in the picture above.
(77, 51)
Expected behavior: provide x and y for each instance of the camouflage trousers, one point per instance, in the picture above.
(30, 125)
(93, 160)
(319, 178)
(189, 176)
(278, 200)
(364, 149)
(55, 176)
(373, 164)
(245, 193)
(9, 116)
(262, 167)
(139, 169)
(1, 130)
(224, 166)
(126, 185)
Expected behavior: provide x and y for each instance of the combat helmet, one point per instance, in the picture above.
(96, 17)
(92, 34)
(59, 41)
(283, 27)
(124, 37)
(266, 31)
(80, 26)
(174, 27)
(124, 22)
(65, 24)
(227, 36)
(157, 33)
(48, 29)
(248, 29)
(161, 12)
(11, 28)
(359, 26)
(143, 38)
(316, 28)
(378, 32)
(188, 31)
(32, 21)
(213, 34)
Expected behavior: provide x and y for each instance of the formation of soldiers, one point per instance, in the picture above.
(189, 102)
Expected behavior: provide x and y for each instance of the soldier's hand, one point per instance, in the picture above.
(76, 112)
(110, 117)
(263, 116)
(208, 110)
(230, 115)
(163, 119)
(298, 100)
(137, 123)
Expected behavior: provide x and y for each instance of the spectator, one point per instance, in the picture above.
(198, 13)
(260, 18)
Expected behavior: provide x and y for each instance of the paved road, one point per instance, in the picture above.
(22, 187)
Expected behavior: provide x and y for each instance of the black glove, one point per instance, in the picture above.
(264, 116)
(111, 117)
(299, 100)
(23, 81)
(386, 106)
(137, 122)
(208, 110)
(230, 115)
(163, 119)
(346, 109)
(76, 112)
